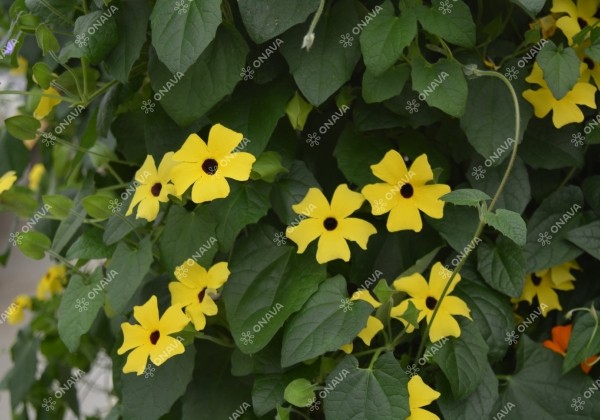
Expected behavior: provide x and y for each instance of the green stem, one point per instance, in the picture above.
(68, 264)
(375, 357)
(18, 92)
(81, 149)
(481, 225)
(314, 22)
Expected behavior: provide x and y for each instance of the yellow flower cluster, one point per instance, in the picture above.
(404, 193)
(203, 166)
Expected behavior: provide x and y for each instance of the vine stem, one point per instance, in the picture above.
(310, 35)
(479, 230)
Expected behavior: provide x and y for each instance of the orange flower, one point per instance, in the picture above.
(561, 335)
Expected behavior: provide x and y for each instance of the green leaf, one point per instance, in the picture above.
(255, 111)
(321, 325)
(131, 267)
(411, 315)
(34, 244)
(23, 373)
(267, 167)
(22, 127)
(42, 75)
(268, 391)
(593, 51)
(69, 227)
(58, 11)
(297, 111)
(489, 119)
(502, 266)
(533, 7)
(386, 85)
(509, 223)
(247, 203)
(457, 226)
(290, 189)
(212, 77)
(478, 405)
(90, 246)
(385, 37)
(560, 67)
(455, 26)
(267, 284)
(591, 191)
(98, 206)
(383, 291)
(97, 32)
(58, 205)
(442, 85)
(369, 394)
(564, 206)
(79, 307)
(463, 360)
(538, 365)
(491, 312)
(45, 39)
(328, 65)
(587, 237)
(355, 154)
(137, 391)
(584, 342)
(466, 197)
(188, 235)
(132, 21)
(269, 18)
(180, 38)
(300, 392)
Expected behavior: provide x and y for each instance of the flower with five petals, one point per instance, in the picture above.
(206, 166)
(152, 336)
(405, 192)
(331, 224)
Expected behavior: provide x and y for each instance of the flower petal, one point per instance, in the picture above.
(181, 294)
(165, 348)
(307, 231)
(414, 285)
(166, 165)
(148, 209)
(367, 297)
(420, 394)
(345, 202)
(381, 197)
(314, 204)
(427, 199)
(218, 275)
(391, 168)
(444, 325)
(146, 171)
(374, 325)
(356, 230)
(587, 8)
(405, 216)
(237, 166)
(173, 320)
(210, 187)
(565, 112)
(438, 278)
(133, 336)
(137, 360)
(193, 150)
(420, 171)
(332, 246)
(194, 312)
(541, 99)
(147, 314)
(222, 140)
(455, 306)
(184, 175)
(564, 6)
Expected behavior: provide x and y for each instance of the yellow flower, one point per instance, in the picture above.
(16, 310)
(374, 325)
(591, 69)
(543, 284)
(565, 109)
(52, 282)
(547, 25)
(331, 224)
(425, 297)
(578, 16)
(7, 180)
(419, 395)
(154, 187)
(195, 290)
(21, 68)
(35, 176)
(207, 166)
(405, 192)
(151, 337)
(46, 104)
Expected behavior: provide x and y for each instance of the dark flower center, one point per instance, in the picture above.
(590, 63)
(201, 295)
(156, 189)
(407, 191)
(535, 280)
(582, 23)
(330, 223)
(210, 166)
(154, 337)
(430, 302)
